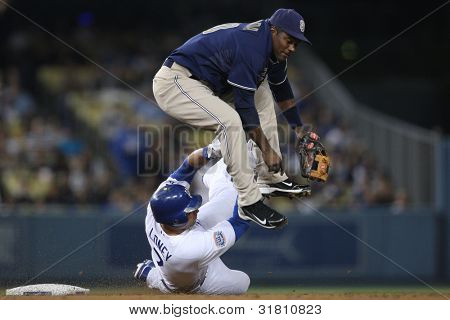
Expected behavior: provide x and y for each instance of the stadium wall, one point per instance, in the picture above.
(357, 246)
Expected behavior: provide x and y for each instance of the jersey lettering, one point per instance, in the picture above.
(160, 245)
(221, 27)
(254, 26)
(224, 55)
(160, 260)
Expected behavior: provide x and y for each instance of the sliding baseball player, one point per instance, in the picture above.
(188, 238)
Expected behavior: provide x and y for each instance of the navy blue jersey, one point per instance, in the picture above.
(235, 56)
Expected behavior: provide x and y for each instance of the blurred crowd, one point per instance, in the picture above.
(42, 160)
(356, 180)
(76, 132)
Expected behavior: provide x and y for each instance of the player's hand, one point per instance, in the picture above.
(273, 161)
(271, 158)
(213, 150)
(302, 137)
(303, 131)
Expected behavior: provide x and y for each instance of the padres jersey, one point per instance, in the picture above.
(232, 54)
(236, 57)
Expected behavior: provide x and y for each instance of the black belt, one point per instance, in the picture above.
(169, 63)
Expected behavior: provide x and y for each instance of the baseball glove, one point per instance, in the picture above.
(314, 161)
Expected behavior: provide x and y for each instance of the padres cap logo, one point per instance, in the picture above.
(302, 25)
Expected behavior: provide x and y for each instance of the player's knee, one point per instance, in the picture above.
(233, 120)
(245, 283)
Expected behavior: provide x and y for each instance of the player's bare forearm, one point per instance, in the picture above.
(299, 131)
(257, 135)
(286, 104)
(271, 158)
(196, 159)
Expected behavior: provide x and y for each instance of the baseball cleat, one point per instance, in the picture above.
(143, 269)
(263, 215)
(286, 188)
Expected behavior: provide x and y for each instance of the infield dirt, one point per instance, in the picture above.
(250, 296)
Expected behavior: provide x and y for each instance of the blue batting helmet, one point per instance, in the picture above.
(172, 203)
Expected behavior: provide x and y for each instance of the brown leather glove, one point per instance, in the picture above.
(314, 161)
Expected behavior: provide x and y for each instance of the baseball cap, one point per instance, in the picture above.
(291, 22)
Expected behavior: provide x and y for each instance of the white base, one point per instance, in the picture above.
(48, 289)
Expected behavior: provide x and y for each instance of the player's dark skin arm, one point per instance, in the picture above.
(287, 104)
(196, 159)
(271, 158)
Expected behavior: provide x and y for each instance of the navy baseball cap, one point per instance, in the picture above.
(291, 22)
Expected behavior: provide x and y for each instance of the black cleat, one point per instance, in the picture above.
(286, 188)
(262, 215)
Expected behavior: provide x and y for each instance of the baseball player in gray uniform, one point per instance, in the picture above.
(226, 79)
(188, 238)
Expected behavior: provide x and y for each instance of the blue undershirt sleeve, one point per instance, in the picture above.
(279, 82)
(282, 91)
(244, 101)
(185, 172)
(239, 225)
(292, 116)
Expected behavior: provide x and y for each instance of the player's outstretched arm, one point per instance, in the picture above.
(198, 158)
(190, 165)
(220, 238)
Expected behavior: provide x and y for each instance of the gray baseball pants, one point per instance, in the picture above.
(193, 102)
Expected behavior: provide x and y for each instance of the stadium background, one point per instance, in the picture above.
(80, 150)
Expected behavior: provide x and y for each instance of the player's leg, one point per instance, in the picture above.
(270, 183)
(222, 280)
(193, 102)
(217, 179)
(147, 272)
(266, 110)
(178, 96)
(154, 281)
